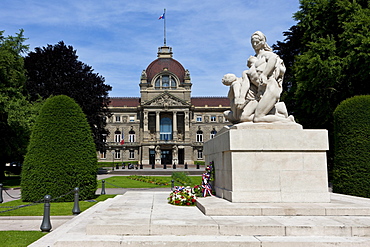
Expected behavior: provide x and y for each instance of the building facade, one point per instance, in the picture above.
(165, 125)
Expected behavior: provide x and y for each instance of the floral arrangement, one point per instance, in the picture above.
(183, 196)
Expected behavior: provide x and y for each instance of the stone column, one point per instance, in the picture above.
(187, 127)
(174, 126)
(145, 127)
(157, 125)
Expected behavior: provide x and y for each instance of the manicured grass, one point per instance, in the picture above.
(56, 208)
(121, 181)
(19, 238)
(125, 182)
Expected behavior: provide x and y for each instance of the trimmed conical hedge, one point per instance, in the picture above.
(61, 153)
(352, 147)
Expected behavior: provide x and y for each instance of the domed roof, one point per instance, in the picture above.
(165, 61)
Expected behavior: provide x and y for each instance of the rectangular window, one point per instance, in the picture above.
(132, 154)
(118, 118)
(213, 118)
(103, 155)
(199, 137)
(200, 154)
(117, 137)
(131, 137)
(199, 118)
(117, 155)
(132, 118)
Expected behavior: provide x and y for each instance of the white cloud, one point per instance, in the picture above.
(120, 38)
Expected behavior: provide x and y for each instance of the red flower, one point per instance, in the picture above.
(188, 203)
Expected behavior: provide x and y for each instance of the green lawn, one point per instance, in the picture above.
(56, 208)
(120, 181)
(125, 182)
(19, 238)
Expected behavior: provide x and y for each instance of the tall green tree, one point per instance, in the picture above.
(328, 58)
(16, 113)
(61, 154)
(56, 70)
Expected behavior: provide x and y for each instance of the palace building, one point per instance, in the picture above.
(165, 125)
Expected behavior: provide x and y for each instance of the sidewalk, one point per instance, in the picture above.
(11, 194)
(33, 223)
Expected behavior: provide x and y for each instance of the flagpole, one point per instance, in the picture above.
(165, 17)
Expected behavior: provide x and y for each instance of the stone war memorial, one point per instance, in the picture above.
(265, 156)
(270, 181)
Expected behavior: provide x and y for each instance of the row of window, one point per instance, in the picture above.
(199, 118)
(121, 138)
(117, 154)
(118, 137)
(199, 135)
(119, 118)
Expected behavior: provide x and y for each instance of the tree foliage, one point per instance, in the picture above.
(327, 58)
(352, 145)
(16, 113)
(61, 154)
(56, 70)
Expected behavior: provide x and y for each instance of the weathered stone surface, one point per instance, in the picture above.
(269, 163)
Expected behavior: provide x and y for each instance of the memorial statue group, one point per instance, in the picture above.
(255, 96)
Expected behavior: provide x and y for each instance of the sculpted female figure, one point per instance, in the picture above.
(270, 70)
(255, 96)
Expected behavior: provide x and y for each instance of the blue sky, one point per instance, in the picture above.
(120, 38)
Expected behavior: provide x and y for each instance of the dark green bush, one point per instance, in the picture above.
(61, 154)
(351, 174)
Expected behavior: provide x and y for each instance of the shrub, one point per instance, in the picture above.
(351, 174)
(61, 154)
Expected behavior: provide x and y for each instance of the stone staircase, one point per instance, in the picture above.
(146, 219)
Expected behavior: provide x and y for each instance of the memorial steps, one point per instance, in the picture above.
(146, 219)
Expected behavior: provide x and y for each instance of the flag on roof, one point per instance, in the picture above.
(161, 17)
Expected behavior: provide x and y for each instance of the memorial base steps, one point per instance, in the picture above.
(146, 219)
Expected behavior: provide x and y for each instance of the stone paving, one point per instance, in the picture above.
(144, 218)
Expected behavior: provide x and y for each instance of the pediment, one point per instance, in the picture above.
(166, 100)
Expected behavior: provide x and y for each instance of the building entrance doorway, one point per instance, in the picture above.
(181, 156)
(166, 157)
(151, 156)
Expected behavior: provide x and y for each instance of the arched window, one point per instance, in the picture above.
(131, 136)
(199, 136)
(117, 136)
(166, 129)
(213, 133)
(165, 82)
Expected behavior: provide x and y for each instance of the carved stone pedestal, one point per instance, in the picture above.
(269, 163)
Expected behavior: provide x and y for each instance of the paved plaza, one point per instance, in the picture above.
(144, 218)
